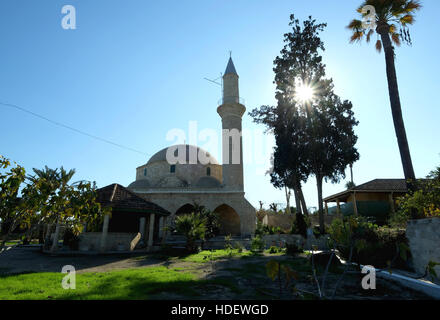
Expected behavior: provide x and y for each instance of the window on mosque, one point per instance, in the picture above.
(145, 172)
(208, 171)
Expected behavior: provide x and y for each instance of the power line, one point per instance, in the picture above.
(71, 128)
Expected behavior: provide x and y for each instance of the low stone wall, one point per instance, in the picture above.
(116, 241)
(280, 240)
(277, 240)
(284, 221)
(424, 242)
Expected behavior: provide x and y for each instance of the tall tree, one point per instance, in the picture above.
(46, 198)
(313, 128)
(390, 20)
(332, 141)
(11, 215)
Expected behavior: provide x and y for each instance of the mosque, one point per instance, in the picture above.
(178, 176)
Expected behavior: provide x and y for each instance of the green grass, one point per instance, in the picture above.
(206, 255)
(127, 284)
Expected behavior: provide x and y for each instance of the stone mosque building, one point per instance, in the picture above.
(172, 181)
(197, 177)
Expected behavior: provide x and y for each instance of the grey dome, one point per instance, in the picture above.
(162, 154)
(139, 184)
(208, 182)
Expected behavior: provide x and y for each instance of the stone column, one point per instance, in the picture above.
(164, 232)
(160, 227)
(326, 208)
(104, 233)
(55, 239)
(151, 231)
(142, 228)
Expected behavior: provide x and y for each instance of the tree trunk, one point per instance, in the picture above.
(300, 223)
(287, 191)
(297, 201)
(351, 173)
(321, 208)
(393, 89)
(303, 201)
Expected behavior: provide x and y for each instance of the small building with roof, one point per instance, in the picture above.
(376, 198)
(133, 222)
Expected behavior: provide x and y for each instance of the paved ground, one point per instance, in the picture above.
(18, 260)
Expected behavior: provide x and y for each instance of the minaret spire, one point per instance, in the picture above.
(230, 68)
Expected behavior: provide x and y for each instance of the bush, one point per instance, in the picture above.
(372, 245)
(299, 226)
(228, 243)
(257, 244)
(274, 249)
(193, 227)
(238, 246)
(260, 230)
(70, 239)
(293, 249)
(425, 202)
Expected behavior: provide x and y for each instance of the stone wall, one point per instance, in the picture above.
(116, 241)
(284, 221)
(424, 242)
(283, 239)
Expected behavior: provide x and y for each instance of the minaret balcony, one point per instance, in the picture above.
(231, 100)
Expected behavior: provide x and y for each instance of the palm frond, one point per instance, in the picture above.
(379, 46)
(392, 28)
(369, 34)
(357, 36)
(408, 19)
(396, 38)
(355, 25)
(412, 6)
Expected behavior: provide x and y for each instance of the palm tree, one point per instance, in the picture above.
(391, 20)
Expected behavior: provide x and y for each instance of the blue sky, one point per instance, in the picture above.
(133, 70)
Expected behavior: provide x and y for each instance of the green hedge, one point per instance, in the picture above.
(372, 245)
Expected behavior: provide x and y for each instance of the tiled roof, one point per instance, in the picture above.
(392, 185)
(118, 197)
(376, 185)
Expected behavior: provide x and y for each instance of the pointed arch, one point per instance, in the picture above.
(229, 220)
(185, 209)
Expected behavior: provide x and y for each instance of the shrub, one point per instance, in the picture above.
(228, 243)
(257, 244)
(275, 249)
(293, 249)
(372, 245)
(193, 227)
(238, 246)
(70, 239)
(260, 230)
(425, 202)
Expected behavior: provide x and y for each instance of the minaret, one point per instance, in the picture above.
(231, 112)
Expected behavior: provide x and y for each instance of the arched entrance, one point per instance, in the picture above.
(185, 209)
(229, 220)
